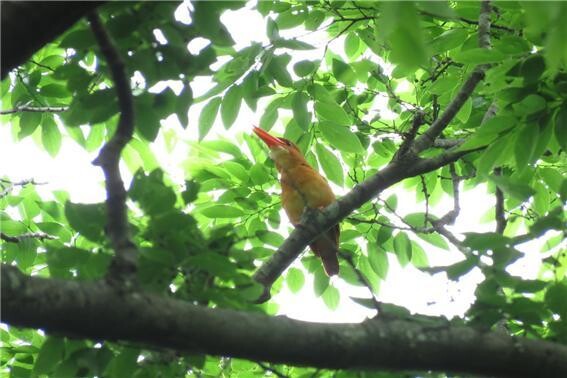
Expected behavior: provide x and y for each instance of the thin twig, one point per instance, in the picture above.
(10, 185)
(363, 280)
(426, 195)
(499, 209)
(410, 135)
(29, 235)
(36, 109)
(124, 262)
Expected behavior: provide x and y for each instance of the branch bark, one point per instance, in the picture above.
(124, 263)
(41, 109)
(98, 311)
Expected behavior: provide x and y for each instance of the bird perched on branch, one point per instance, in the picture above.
(303, 186)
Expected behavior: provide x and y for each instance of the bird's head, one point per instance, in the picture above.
(283, 152)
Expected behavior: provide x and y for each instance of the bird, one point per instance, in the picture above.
(302, 186)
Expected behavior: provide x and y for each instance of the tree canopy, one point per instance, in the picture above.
(174, 276)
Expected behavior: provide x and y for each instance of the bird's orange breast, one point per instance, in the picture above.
(302, 186)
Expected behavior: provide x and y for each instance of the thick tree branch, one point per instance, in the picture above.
(124, 263)
(98, 311)
(28, 25)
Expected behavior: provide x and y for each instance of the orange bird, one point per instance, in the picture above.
(303, 186)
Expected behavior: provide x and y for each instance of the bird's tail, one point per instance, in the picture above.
(327, 248)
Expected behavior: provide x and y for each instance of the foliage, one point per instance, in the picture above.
(349, 111)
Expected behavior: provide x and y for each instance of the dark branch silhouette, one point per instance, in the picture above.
(378, 343)
(124, 262)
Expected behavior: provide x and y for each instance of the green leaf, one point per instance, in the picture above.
(270, 237)
(27, 252)
(478, 56)
(295, 279)
(54, 90)
(402, 248)
(88, 220)
(222, 211)
(552, 178)
(530, 104)
(151, 193)
(525, 145)
(13, 228)
(206, 19)
(79, 39)
(343, 72)
(191, 191)
(269, 117)
(555, 298)
(418, 256)
(259, 174)
(461, 268)
(332, 297)
(124, 363)
(293, 44)
(465, 111)
(489, 157)
(314, 19)
(320, 282)
(50, 136)
(304, 68)
(330, 164)
(489, 131)
(532, 68)
(231, 105)
(278, 69)
(300, 112)
(208, 116)
(330, 111)
(236, 170)
(400, 25)
(378, 260)
(513, 187)
(341, 137)
(485, 241)
(50, 354)
(29, 121)
(352, 45)
(448, 40)
(215, 263)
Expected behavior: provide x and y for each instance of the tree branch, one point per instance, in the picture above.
(29, 235)
(124, 263)
(428, 138)
(501, 221)
(40, 109)
(98, 311)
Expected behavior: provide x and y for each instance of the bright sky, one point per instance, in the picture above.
(73, 172)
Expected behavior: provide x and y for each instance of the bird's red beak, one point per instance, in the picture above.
(270, 140)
